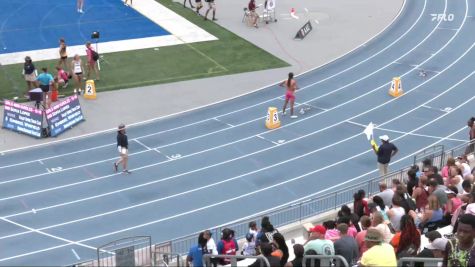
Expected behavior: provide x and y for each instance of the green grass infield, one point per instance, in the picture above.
(228, 55)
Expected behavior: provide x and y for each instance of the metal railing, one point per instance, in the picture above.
(411, 261)
(324, 261)
(263, 262)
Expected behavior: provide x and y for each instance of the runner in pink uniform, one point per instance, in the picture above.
(291, 86)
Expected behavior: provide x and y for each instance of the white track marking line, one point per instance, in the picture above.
(279, 163)
(41, 162)
(75, 254)
(259, 89)
(432, 108)
(412, 134)
(367, 111)
(228, 124)
(32, 230)
(275, 143)
(223, 202)
(161, 153)
(450, 29)
(142, 144)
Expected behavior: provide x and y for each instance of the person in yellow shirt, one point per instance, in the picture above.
(378, 253)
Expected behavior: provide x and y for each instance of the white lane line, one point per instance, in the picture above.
(447, 109)
(309, 105)
(142, 144)
(412, 134)
(41, 162)
(235, 97)
(275, 143)
(228, 124)
(450, 29)
(279, 163)
(32, 230)
(75, 254)
(226, 201)
(367, 111)
(161, 153)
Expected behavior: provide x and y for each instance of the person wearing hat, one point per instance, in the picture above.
(30, 73)
(384, 152)
(317, 242)
(123, 148)
(379, 253)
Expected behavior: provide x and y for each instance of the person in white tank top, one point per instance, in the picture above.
(396, 212)
(77, 71)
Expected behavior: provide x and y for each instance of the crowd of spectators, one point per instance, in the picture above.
(379, 229)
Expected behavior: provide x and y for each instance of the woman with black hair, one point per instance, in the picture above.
(471, 134)
(227, 245)
(267, 231)
(360, 205)
(280, 248)
(291, 86)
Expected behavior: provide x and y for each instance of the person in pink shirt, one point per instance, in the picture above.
(332, 233)
(62, 76)
(91, 62)
(365, 222)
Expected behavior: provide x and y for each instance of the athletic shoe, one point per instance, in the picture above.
(80, 11)
(116, 167)
(215, 19)
(293, 116)
(126, 172)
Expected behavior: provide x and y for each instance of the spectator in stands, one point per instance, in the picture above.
(211, 246)
(386, 194)
(29, 73)
(281, 250)
(249, 247)
(196, 252)
(395, 182)
(412, 180)
(365, 222)
(297, 261)
(438, 190)
(378, 205)
(445, 170)
(467, 200)
(420, 194)
(436, 176)
(332, 233)
(346, 246)
(267, 231)
(345, 211)
(467, 187)
(431, 218)
(452, 205)
(317, 242)
(379, 253)
(253, 230)
(426, 252)
(396, 212)
(406, 242)
(384, 152)
(266, 249)
(455, 178)
(426, 163)
(464, 166)
(471, 134)
(406, 200)
(227, 245)
(360, 205)
(461, 252)
(435, 249)
(91, 62)
(378, 223)
(311, 262)
(352, 231)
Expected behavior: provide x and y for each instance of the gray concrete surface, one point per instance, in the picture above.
(343, 26)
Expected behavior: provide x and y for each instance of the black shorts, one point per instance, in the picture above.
(44, 88)
(65, 57)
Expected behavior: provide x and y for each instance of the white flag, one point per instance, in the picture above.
(369, 130)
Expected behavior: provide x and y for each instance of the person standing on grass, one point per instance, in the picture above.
(63, 55)
(80, 6)
(189, 1)
(291, 86)
(211, 5)
(199, 5)
(91, 62)
(45, 80)
(30, 73)
(123, 148)
(77, 70)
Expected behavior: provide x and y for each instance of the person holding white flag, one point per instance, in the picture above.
(384, 152)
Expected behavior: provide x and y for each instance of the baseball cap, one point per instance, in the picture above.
(374, 235)
(121, 126)
(318, 229)
(384, 138)
(448, 191)
(438, 243)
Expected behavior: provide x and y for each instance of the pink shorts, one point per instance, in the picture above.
(289, 95)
